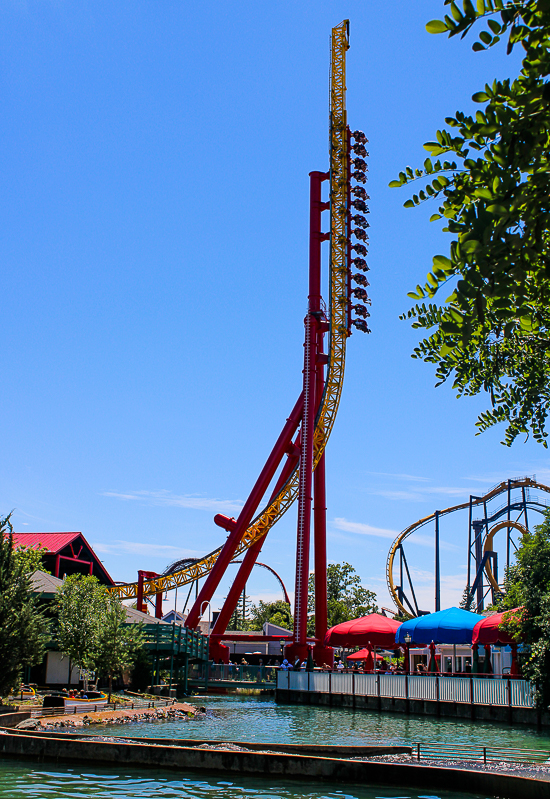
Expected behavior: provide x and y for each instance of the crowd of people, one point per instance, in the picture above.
(264, 670)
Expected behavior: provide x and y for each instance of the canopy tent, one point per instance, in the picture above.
(450, 626)
(371, 630)
(487, 630)
(363, 654)
(368, 656)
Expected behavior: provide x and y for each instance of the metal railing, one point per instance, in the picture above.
(481, 754)
(175, 639)
(504, 692)
(88, 707)
(265, 675)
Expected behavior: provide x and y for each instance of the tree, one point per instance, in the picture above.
(346, 597)
(81, 606)
(240, 618)
(118, 642)
(24, 630)
(30, 558)
(492, 332)
(278, 613)
(467, 601)
(527, 586)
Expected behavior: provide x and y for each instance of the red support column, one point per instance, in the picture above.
(142, 576)
(250, 559)
(158, 605)
(323, 655)
(246, 515)
(140, 592)
(299, 647)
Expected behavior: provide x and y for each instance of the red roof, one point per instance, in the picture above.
(54, 542)
(374, 629)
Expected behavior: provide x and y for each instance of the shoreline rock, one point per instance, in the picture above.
(179, 710)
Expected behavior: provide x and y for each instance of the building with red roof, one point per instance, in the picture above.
(65, 553)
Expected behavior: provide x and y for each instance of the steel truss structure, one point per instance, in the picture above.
(301, 445)
(482, 558)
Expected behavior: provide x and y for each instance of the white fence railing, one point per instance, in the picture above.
(435, 688)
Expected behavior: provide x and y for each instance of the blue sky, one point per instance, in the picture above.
(154, 211)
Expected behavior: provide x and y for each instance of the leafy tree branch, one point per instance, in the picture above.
(491, 333)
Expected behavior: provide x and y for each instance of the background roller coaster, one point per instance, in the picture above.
(482, 562)
(303, 439)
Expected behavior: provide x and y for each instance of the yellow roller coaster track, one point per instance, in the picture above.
(526, 482)
(338, 333)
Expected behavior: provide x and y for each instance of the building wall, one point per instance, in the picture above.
(57, 670)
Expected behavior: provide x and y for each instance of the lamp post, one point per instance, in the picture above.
(408, 640)
(207, 640)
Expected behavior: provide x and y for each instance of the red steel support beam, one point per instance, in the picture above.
(144, 575)
(245, 517)
(253, 552)
(299, 647)
(323, 655)
(158, 605)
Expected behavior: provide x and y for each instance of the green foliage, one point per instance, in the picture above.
(273, 612)
(240, 619)
(81, 604)
(30, 559)
(142, 672)
(24, 630)
(527, 586)
(346, 597)
(492, 332)
(118, 642)
(467, 602)
(91, 627)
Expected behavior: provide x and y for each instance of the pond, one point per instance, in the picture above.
(29, 780)
(250, 718)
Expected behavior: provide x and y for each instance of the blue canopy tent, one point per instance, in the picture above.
(451, 626)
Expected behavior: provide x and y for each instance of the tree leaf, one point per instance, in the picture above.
(436, 26)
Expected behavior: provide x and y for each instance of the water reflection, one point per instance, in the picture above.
(21, 780)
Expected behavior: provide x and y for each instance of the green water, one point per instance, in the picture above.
(28, 780)
(248, 718)
(254, 719)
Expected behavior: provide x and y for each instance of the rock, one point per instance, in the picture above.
(28, 724)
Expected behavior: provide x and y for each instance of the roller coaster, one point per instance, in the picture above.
(298, 457)
(485, 521)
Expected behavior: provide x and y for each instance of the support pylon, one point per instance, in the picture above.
(313, 330)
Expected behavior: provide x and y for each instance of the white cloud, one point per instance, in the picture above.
(426, 541)
(164, 497)
(419, 493)
(163, 551)
(363, 529)
(412, 477)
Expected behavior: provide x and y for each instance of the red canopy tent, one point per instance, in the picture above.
(363, 654)
(373, 630)
(487, 631)
(367, 656)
